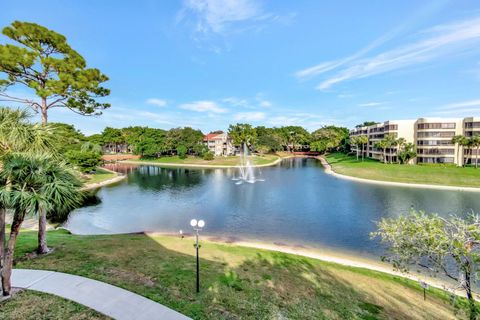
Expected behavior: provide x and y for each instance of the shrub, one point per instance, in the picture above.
(182, 152)
(200, 150)
(208, 156)
(85, 161)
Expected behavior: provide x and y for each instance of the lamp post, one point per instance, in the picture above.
(197, 226)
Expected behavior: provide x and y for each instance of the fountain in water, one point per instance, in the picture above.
(245, 168)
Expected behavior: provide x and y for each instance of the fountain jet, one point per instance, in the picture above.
(245, 168)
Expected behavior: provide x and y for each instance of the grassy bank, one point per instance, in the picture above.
(447, 175)
(32, 305)
(217, 161)
(236, 282)
(100, 175)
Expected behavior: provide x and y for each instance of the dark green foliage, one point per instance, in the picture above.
(148, 148)
(242, 133)
(84, 161)
(112, 135)
(208, 156)
(200, 150)
(67, 137)
(406, 152)
(44, 62)
(366, 124)
(268, 140)
(294, 137)
(329, 138)
(182, 151)
(186, 137)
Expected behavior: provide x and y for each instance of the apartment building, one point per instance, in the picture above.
(431, 136)
(219, 144)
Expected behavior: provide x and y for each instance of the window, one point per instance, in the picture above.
(436, 134)
(436, 151)
(434, 143)
(449, 125)
(380, 129)
(435, 160)
(471, 133)
(470, 125)
(391, 127)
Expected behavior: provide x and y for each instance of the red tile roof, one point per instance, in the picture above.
(211, 136)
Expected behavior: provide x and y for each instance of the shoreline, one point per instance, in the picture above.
(201, 166)
(325, 255)
(329, 170)
(104, 183)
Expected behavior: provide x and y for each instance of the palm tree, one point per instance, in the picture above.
(18, 196)
(61, 190)
(18, 135)
(382, 145)
(37, 183)
(400, 142)
(390, 142)
(354, 142)
(362, 140)
(458, 141)
(475, 143)
(90, 146)
(468, 144)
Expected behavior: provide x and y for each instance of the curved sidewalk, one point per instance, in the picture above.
(112, 301)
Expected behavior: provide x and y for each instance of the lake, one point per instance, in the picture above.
(296, 204)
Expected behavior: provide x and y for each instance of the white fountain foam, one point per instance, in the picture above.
(245, 168)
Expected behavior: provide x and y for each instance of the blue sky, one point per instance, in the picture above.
(209, 63)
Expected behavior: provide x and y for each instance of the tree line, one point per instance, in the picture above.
(152, 142)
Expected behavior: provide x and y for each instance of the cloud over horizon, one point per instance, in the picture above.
(433, 44)
(157, 102)
(203, 106)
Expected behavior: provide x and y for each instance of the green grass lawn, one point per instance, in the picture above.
(99, 176)
(33, 305)
(236, 282)
(217, 161)
(448, 175)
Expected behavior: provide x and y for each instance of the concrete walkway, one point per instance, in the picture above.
(102, 297)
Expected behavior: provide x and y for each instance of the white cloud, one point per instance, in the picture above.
(461, 105)
(236, 102)
(265, 103)
(307, 120)
(203, 106)
(249, 116)
(371, 104)
(435, 43)
(458, 109)
(262, 102)
(259, 101)
(159, 118)
(319, 68)
(157, 102)
(216, 15)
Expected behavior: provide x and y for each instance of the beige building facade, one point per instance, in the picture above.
(431, 136)
(219, 144)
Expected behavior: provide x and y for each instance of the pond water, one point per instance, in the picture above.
(296, 204)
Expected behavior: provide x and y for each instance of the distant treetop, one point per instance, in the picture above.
(366, 124)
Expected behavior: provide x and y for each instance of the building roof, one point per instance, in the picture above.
(213, 136)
